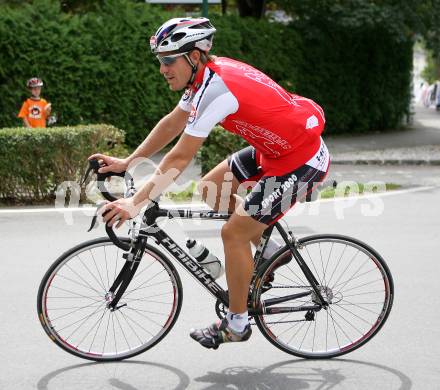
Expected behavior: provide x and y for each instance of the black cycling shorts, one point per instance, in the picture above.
(272, 196)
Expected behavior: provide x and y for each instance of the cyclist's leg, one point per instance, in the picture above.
(266, 203)
(219, 186)
(237, 234)
(278, 194)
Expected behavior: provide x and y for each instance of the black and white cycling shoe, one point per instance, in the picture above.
(219, 333)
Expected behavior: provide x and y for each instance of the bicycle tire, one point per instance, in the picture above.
(92, 276)
(346, 306)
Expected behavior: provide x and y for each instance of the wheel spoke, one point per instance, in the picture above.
(79, 276)
(99, 273)
(77, 295)
(360, 306)
(75, 306)
(91, 274)
(75, 311)
(355, 283)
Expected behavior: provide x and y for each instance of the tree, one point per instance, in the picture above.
(253, 8)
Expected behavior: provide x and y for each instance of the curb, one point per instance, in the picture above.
(389, 162)
(202, 206)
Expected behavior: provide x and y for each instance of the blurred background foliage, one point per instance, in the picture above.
(354, 57)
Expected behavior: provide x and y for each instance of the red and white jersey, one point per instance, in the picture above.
(284, 127)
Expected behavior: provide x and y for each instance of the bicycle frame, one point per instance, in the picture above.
(198, 272)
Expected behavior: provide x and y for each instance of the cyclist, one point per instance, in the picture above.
(285, 160)
(35, 110)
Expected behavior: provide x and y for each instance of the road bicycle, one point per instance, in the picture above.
(113, 298)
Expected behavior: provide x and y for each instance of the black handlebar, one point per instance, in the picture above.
(101, 177)
(101, 184)
(114, 238)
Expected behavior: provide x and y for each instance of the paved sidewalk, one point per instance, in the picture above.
(419, 144)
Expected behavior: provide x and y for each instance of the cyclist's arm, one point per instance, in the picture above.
(168, 128)
(171, 166)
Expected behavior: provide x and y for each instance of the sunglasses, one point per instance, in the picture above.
(171, 59)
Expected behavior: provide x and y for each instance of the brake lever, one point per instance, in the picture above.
(93, 166)
(93, 225)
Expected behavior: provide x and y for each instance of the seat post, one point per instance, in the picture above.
(262, 246)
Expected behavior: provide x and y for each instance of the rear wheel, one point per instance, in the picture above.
(354, 280)
(74, 294)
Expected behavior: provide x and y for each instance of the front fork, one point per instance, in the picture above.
(119, 286)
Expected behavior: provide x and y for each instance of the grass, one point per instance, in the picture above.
(353, 189)
(344, 189)
(185, 195)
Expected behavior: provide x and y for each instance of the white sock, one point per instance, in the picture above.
(271, 247)
(237, 321)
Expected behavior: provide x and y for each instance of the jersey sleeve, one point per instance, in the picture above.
(185, 100)
(24, 110)
(212, 103)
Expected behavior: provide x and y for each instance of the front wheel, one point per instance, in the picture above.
(74, 294)
(353, 279)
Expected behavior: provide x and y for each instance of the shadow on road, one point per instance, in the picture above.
(127, 375)
(302, 374)
(292, 375)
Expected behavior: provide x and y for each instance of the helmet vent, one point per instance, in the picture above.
(178, 36)
(202, 25)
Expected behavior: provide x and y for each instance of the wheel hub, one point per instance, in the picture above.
(326, 293)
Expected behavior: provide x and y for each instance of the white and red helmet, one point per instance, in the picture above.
(34, 82)
(182, 35)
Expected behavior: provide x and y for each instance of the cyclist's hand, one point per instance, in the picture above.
(111, 164)
(119, 211)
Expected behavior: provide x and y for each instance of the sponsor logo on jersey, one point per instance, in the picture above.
(192, 115)
(279, 192)
(312, 122)
(264, 137)
(187, 95)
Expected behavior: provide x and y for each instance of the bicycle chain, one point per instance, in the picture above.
(279, 322)
(283, 322)
(290, 287)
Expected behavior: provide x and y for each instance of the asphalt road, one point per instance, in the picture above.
(403, 227)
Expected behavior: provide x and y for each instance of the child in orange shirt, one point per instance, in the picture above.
(35, 110)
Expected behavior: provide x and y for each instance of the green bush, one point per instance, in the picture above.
(353, 61)
(357, 63)
(271, 47)
(33, 162)
(219, 145)
(97, 67)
